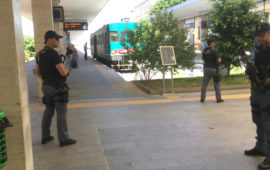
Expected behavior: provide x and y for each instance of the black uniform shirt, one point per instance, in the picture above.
(262, 62)
(210, 57)
(47, 59)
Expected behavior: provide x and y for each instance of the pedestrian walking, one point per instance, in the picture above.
(85, 51)
(259, 74)
(74, 57)
(211, 70)
(69, 55)
(53, 74)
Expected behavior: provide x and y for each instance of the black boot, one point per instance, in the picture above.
(46, 140)
(220, 101)
(254, 152)
(68, 142)
(265, 164)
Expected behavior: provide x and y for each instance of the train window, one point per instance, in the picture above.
(114, 36)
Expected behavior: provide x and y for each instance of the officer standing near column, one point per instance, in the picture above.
(53, 73)
(260, 95)
(211, 70)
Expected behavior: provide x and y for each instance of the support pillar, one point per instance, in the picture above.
(13, 87)
(43, 21)
(59, 28)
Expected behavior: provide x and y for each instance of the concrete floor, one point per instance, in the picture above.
(118, 127)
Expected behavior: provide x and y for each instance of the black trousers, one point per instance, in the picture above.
(61, 110)
(260, 108)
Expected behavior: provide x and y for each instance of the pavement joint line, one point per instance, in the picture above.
(168, 99)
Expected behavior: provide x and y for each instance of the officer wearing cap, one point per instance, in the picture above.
(53, 73)
(260, 96)
(211, 70)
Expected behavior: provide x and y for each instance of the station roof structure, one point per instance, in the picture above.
(190, 9)
(194, 8)
(73, 10)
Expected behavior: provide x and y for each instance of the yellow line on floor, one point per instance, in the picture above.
(169, 99)
(97, 90)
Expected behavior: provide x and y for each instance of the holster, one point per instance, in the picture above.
(48, 100)
(258, 86)
(62, 94)
(61, 97)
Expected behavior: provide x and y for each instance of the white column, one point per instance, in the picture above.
(43, 21)
(13, 87)
(59, 28)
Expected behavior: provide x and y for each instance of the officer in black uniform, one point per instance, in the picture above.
(211, 70)
(53, 73)
(259, 74)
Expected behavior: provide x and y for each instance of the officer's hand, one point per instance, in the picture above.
(267, 81)
(61, 69)
(219, 60)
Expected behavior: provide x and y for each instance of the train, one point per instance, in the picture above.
(106, 47)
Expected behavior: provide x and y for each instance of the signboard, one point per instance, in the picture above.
(167, 55)
(189, 25)
(75, 25)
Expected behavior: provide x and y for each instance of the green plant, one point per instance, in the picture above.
(238, 79)
(161, 5)
(162, 30)
(232, 23)
(29, 48)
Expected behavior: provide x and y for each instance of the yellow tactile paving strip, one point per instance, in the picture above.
(116, 84)
(168, 99)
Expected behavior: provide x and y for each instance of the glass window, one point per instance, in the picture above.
(123, 36)
(114, 36)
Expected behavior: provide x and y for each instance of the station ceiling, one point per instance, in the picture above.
(73, 9)
(193, 8)
(190, 9)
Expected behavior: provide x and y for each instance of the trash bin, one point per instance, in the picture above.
(4, 123)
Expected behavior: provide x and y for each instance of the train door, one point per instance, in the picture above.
(95, 47)
(107, 43)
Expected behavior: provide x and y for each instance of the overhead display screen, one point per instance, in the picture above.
(76, 25)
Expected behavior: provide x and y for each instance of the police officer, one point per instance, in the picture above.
(51, 70)
(260, 95)
(211, 70)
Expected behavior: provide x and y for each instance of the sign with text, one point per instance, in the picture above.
(167, 55)
(189, 25)
(75, 25)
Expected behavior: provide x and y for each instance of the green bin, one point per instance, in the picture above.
(4, 123)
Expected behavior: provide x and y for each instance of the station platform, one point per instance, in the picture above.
(119, 127)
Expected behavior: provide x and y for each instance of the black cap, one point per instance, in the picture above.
(261, 29)
(51, 34)
(211, 39)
